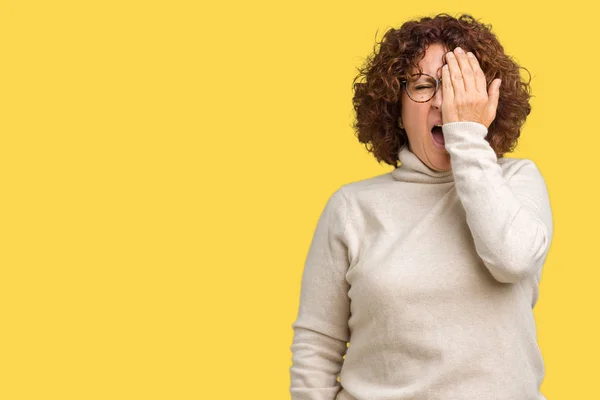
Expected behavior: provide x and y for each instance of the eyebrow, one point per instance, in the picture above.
(436, 71)
(443, 63)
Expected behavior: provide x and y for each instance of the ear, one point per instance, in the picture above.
(400, 124)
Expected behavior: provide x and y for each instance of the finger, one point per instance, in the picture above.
(447, 88)
(494, 95)
(465, 69)
(455, 75)
(480, 82)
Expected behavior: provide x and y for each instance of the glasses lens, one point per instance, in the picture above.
(421, 87)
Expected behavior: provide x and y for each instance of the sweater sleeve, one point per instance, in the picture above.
(321, 328)
(510, 219)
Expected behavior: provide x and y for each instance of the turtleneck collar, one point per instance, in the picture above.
(414, 170)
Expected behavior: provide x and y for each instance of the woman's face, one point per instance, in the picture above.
(420, 118)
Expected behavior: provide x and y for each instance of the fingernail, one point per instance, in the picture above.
(450, 54)
(470, 54)
(459, 50)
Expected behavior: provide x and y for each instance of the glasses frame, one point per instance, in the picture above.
(437, 86)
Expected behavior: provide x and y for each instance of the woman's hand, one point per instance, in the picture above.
(465, 94)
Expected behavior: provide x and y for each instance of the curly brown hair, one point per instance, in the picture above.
(377, 99)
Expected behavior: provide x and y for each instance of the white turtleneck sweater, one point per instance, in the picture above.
(426, 282)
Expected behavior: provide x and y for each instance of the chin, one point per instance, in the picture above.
(438, 162)
(441, 169)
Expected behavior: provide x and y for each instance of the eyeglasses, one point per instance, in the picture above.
(421, 87)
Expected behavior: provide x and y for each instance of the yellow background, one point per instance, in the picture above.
(164, 163)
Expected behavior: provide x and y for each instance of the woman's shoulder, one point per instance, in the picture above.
(512, 166)
(368, 184)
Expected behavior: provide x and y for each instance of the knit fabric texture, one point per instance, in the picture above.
(420, 285)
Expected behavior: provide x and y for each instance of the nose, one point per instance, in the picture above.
(437, 99)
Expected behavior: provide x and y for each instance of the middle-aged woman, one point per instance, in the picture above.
(425, 277)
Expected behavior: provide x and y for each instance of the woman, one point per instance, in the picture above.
(425, 277)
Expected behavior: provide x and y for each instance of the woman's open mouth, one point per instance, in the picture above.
(438, 137)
